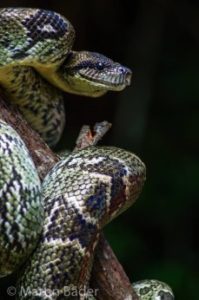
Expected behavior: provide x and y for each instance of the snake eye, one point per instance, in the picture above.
(100, 66)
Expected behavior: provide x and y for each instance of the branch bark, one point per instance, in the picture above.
(108, 275)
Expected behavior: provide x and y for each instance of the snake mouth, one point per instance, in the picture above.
(115, 80)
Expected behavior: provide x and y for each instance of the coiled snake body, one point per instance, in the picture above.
(61, 219)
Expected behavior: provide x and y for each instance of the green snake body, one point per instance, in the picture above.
(153, 290)
(21, 209)
(54, 227)
(36, 97)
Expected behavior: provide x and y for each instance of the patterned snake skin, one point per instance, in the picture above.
(51, 229)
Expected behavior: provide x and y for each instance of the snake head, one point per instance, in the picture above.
(93, 74)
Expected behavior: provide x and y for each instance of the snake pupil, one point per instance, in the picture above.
(100, 66)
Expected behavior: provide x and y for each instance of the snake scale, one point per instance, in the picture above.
(52, 228)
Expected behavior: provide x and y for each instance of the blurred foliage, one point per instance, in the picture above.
(157, 118)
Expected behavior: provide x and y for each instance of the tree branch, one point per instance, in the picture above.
(108, 275)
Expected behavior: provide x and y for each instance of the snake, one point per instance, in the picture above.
(49, 230)
(37, 64)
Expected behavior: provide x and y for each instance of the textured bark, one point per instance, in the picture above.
(108, 275)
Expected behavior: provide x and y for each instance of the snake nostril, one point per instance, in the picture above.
(125, 71)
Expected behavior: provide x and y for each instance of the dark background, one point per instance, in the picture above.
(156, 118)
